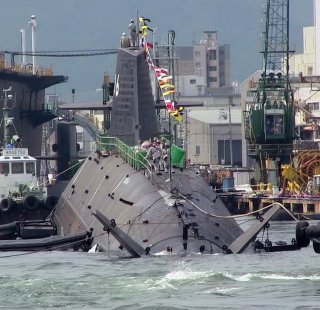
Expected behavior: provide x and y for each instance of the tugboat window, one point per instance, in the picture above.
(30, 168)
(17, 168)
(4, 168)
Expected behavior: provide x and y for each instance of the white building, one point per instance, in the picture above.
(316, 8)
(305, 63)
(209, 132)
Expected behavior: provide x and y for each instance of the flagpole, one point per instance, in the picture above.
(171, 37)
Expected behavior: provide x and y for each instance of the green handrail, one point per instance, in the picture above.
(135, 158)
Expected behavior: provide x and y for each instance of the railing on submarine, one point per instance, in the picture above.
(137, 159)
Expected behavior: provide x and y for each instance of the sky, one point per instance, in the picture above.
(98, 24)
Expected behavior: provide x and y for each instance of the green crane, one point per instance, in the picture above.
(269, 119)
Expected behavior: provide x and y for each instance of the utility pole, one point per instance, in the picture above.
(230, 131)
(33, 24)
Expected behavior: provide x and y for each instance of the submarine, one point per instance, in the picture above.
(124, 207)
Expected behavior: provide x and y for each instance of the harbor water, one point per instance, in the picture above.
(78, 280)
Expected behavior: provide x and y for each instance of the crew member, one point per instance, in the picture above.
(133, 33)
(154, 154)
(124, 40)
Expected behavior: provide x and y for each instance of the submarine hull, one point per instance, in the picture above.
(145, 209)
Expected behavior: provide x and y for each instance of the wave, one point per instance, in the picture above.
(271, 276)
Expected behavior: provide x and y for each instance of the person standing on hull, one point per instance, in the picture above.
(154, 153)
(133, 33)
(165, 156)
(124, 40)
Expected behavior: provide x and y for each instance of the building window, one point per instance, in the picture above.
(212, 55)
(221, 55)
(193, 81)
(198, 64)
(250, 94)
(224, 156)
(197, 54)
(197, 150)
(213, 79)
(309, 71)
(212, 68)
(313, 106)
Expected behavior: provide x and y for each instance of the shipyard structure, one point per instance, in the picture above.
(27, 100)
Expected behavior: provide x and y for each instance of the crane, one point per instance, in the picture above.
(269, 119)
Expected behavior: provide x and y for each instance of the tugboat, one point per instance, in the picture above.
(22, 196)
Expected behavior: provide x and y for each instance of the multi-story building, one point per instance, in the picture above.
(208, 60)
(212, 61)
(305, 62)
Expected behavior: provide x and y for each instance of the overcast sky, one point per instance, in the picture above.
(95, 24)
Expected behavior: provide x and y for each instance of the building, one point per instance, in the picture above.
(212, 61)
(208, 135)
(316, 8)
(203, 78)
(203, 66)
(305, 63)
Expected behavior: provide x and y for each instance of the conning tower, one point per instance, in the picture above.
(133, 107)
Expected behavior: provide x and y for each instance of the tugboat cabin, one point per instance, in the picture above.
(17, 172)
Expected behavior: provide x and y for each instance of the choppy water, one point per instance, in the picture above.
(77, 280)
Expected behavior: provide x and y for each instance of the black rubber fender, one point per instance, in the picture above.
(50, 202)
(301, 238)
(6, 204)
(31, 202)
(316, 246)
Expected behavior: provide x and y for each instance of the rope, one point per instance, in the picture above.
(78, 163)
(240, 215)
